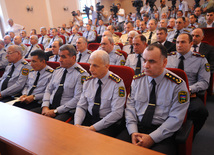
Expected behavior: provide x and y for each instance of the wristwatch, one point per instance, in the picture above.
(55, 111)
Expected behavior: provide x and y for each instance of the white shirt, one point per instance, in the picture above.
(121, 18)
(16, 28)
(184, 7)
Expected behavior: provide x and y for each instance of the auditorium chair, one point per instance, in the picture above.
(124, 54)
(63, 38)
(93, 46)
(41, 46)
(121, 45)
(27, 45)
(53, 64)
(79, 33)
(209, 35)
(2, 72)
(184, 135)
(39, 35)
(210, 89)
(118, 33)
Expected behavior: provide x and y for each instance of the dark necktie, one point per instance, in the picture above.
(149, 113)
(175, 37)
(97, 102)
(195, 47)
(99, 29)
(80, 55)
(131, 47)
(56, 57)
(34, 84)
(51, 42)
(138, 67)
(42, 40)
(71, 39)
(181, 63)
(4, 84)
(87, 35)
(150, 37)
(26, 56)
(58, 95)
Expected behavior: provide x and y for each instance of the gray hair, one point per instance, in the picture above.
(17, 48)
(69, 48)
(133, 33)
(109, 34)
(83, 38)
(110, 39)
(35, 37)
(101, 54)
(43, 28)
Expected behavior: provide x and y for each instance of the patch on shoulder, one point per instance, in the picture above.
(25, 63)
(58, 68)
(207, 67)
(198, 55)
(114, 78)
(25, 71)
(182, 97)
(139, 76)
(89, 78)
(89, 52)
(171, 53)
(49, 70)
(83, 78)
(122, 62)
(121, 91)
(173, 78)
(118, 53)
(79, 70)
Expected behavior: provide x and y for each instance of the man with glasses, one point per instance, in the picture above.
(15, 75)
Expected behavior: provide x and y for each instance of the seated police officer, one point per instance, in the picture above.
(198, 73)
(65, 87)
(15, 75)
(37, 81)
(157, 105)
(101, 104)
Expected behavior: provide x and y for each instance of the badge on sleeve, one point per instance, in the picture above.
(207, 67)
(25, 71)
(182, 97)
(122, 62)
(121, 91)
(83, 78)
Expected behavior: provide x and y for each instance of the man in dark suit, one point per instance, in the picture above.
(209, 19)
(161, 39)
(202, 48)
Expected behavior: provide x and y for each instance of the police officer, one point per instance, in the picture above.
(129, 48)
(25, 38)
(101, 104)
(124, 38)
(3, 59)
(154, 113)
(83, 53)
(74, 36)
(18, 41)
(44, 39)
(16, 73)
(179, 28)
(150, 35)
(116, 58)
(198, 73)
(54, 33)
(115, 37)
(7, 41)
(55, 51)
(65, 87)
(34, 46)
(100, 29)
(81, 27)
(89, 34)
(135, 61)
(37, 82)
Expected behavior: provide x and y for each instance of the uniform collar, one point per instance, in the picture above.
(188, 54)
(72, 68)
(136, 55)
(19, 62)
(42, 71)
(104, 79)
(84, 53)
(157, 79)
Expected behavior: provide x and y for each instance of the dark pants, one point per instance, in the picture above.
(62, 117)
(121, 26)
(198, 113)
(112, 130)
(29, 106)
(166, 146)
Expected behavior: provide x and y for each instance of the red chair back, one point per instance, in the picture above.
(63, 38)
(124, 54)
(121, 45)
(52, 64)
(209, 35)
(93, 46)
(1, 72)
(79, 33)
(41, 46)
(27, 45)
(118, 33)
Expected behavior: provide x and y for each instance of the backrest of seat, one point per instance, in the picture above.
(124, 54)
(52, 64)
(41, 46)
(93, 46)
(121, 45)
(209, 35)
(63, 38)
(118, 33)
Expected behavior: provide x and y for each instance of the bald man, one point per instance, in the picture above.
(18, 41)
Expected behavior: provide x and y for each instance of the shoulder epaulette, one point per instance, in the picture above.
(89, 78)
(25, 63)
(89, 52)
(171, 53)
(49, 70)
(173, 78)
(9, 64)
(31, 70)
(58, 68)
(37, 46)
(186, 31)
(169, 30)
(139, 76)
(198, 55)
(114, 78)
(79, 70)
(118, 53)
(51, 56)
